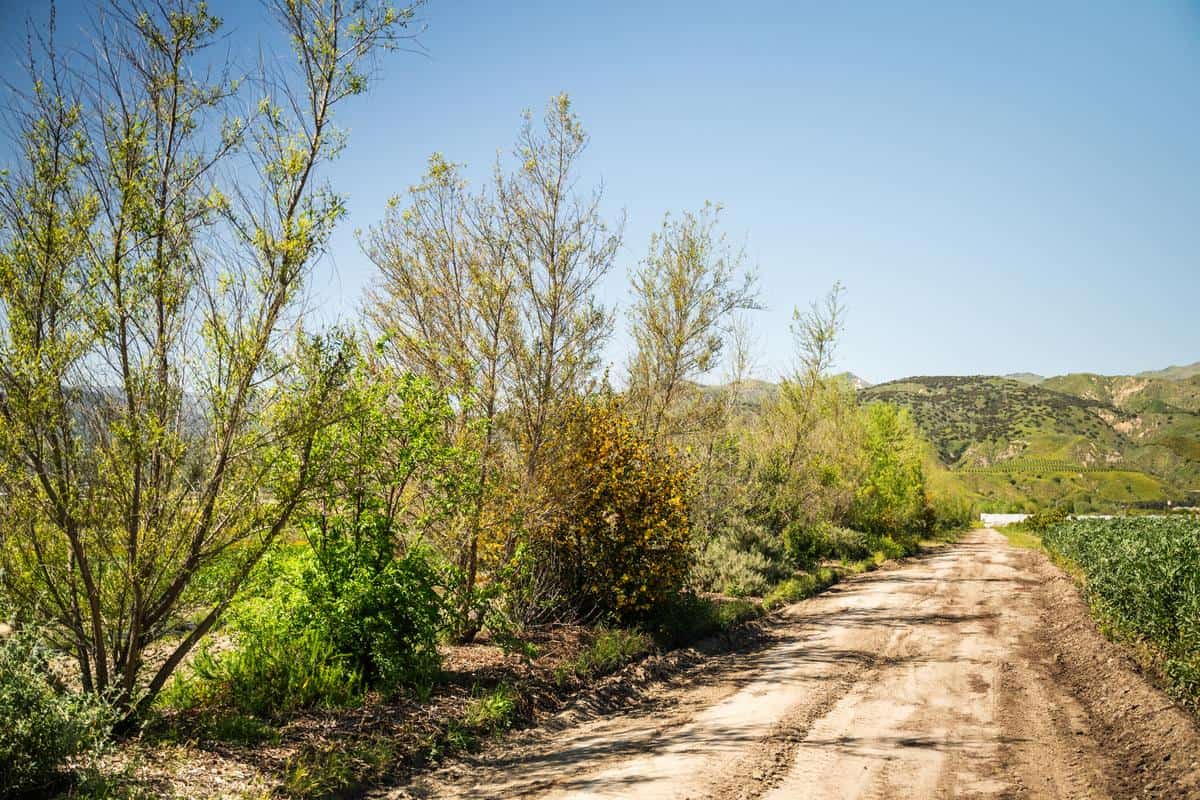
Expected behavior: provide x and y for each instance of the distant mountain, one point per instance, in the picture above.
(1029, 378)
(1174, 373)
(855, 381)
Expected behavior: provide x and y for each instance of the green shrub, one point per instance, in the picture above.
(945, 512)
(382, 612)
(690, 617)
(807, 544)
(1041, 521)
(491, 711)
(610, 649)
(41, 727)
(338, 768)
(743, 559)
(848, 545)
(890, 548)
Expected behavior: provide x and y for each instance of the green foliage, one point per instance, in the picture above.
(890, 548)
(799, 587)
(610, 649)
(323, 626)
(491, 711)
(1041, 521)
(691, 617)
(1143, 574)
(42, 729)
(848, 545)
(808, 545)
(742, 559)
(380, 611)
(618, 525)
(684, 294)
(946, 511)
(273, 670)
(337, 768)
(150, 323)
(890, 498)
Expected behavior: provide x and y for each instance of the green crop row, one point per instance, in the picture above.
(1143, 577)
(1039, 465)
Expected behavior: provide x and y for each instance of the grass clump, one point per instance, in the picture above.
(611, 649)
(806, 584)
(270, 673)
(337, 769)
(492, 711)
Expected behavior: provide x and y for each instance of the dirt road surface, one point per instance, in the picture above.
(973, 671)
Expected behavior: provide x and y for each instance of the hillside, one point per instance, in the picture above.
(1087, 441)
(1132, 393)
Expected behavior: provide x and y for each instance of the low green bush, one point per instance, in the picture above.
(946, 512)
(690, 617)
(491, 711)
(273, 670)
(807, 544)
(42, 728)
(1041, 521)
(848, 545)
(743, 559)
(891, 548)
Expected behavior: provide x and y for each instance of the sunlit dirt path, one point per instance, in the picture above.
(951, 675)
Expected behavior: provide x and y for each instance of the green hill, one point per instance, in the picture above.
(1085, 441)
(1132, 393)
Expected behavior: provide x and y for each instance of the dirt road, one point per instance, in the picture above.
(970, 672)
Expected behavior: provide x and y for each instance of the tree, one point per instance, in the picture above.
(809, 453)
(445, 306)
(891, 496)
(491, 294)
(562, 248)
(156, 423)
(686, 293)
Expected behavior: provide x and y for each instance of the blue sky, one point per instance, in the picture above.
(1000, 187)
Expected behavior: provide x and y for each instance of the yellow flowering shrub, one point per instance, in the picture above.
(617, 513)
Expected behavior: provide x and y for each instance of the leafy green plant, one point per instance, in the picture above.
(41, 727)
(798, 588)
(380, 611)
(492, 711)
(691, 617)
(1041, 521)
(742, 559)
(273, 670)
(335, 769)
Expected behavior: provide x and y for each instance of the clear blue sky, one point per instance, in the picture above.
(1001, 187)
